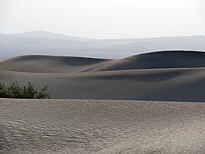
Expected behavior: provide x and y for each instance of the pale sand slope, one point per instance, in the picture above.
(99, 126)
(158, 76)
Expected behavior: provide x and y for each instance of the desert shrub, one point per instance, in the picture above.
(29, 92)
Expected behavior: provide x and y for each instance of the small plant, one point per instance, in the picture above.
(29, 92)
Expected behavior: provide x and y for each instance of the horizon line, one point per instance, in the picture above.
(81, 37)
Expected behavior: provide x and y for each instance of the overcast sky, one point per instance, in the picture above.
(105, 19)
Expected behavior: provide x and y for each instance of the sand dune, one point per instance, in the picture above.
(47, 64)
(171, 59)
(148, 104)
(108, 127)
(158, 76)
(60, 64)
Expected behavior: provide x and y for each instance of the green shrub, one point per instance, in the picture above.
(29, 92)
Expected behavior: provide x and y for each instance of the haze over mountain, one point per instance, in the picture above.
(44, 34)
(46, 43)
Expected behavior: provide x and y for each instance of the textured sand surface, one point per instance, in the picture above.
(99, 126)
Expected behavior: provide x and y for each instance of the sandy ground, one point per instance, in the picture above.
(146, 104)
(99, 126)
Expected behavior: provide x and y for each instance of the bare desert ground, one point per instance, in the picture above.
(101, 126)
(148, 103)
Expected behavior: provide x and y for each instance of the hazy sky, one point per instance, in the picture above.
(105, 18)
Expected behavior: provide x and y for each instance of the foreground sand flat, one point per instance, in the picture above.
(101, 126)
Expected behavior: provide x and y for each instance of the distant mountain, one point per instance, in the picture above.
(46, 43)
(44, 34)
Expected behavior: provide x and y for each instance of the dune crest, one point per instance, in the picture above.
(60, 64)
(47, 64)
(163, 59)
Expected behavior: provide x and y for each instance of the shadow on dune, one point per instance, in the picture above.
(164, 59)
(192, 92)
(145, 77)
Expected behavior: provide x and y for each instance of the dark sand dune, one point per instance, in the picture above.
(145, 104)
(159, 76)
(169, 59)
(47, 64)
(60, 64)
